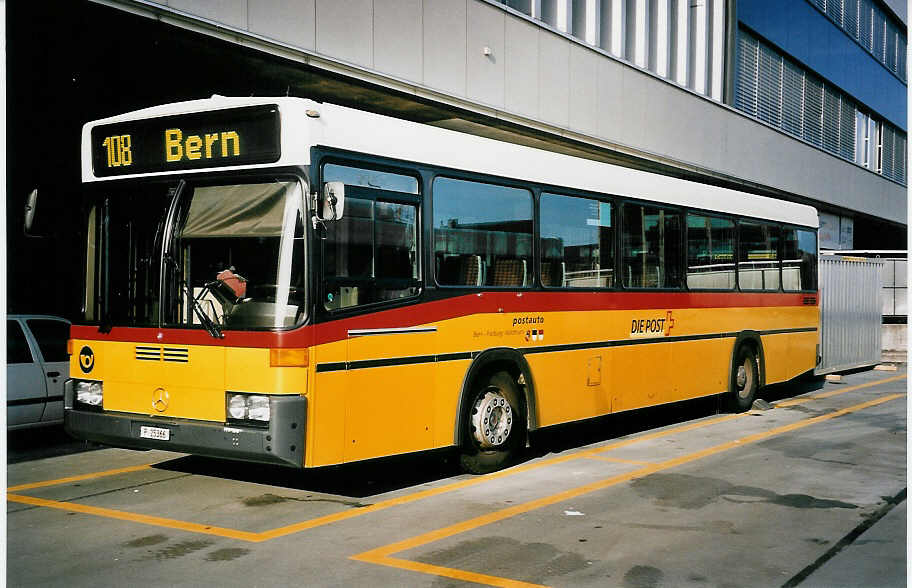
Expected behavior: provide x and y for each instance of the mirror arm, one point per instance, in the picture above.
(315, 219)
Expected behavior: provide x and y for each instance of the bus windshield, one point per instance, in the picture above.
(214, 256)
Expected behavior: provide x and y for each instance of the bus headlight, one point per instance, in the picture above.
(89, 393)
(249, 408)
(258, 408)
(237, 406)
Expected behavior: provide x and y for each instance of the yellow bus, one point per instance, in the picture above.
(292, 282)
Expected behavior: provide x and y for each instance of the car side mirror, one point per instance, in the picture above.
(28, 221)
(333, 201)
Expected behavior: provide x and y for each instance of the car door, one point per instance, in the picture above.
(51, 337)
(26, 392)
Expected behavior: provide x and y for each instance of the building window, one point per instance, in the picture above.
(780, 92)
(879, 149)
(875, 30)
(899, 155)
(680, 40)
(866, 139)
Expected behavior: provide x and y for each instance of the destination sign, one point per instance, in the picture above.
(233, 136)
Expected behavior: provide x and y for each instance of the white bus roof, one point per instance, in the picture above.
(364, 132)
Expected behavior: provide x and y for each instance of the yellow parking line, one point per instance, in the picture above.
(382, 505)
(135, 517)
(327, 519)
(837, 392)
(619, 460)
(341, 516)
(79, 478)
(382, 555)
(463, 575)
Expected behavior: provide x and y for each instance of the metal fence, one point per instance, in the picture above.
(850, 312)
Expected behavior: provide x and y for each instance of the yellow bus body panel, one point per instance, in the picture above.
(248, 370)
(392, 393)
(195, 388)
(326, 407)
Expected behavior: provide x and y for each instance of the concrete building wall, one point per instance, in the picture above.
(478, 56)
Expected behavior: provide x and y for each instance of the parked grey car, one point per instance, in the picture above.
(37, 365)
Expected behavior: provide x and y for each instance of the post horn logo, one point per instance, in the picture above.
(669, 322)
(160, 400)
(86, 359)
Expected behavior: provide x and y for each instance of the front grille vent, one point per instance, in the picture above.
(173, 354)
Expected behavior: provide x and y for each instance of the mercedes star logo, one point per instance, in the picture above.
(160, 400)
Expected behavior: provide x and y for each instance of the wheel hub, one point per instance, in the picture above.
(744, 379)
(492, 419)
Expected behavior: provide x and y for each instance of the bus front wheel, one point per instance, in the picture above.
(745, 380)
(495, 425)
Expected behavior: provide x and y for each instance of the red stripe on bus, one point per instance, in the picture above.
(447, 308)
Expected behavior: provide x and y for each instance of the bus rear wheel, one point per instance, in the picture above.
(495, 425)
(745, 380)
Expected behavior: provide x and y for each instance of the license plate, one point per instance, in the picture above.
(156, 433)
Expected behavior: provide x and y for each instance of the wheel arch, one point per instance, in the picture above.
(490, 361)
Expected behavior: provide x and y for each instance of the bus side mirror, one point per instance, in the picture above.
(28, 221)
(333, 201)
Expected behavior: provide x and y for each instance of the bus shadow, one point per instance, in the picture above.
(574, 435)
(42, 443)
(801, 385)
(571, 436)
(378, 476)
(357, 480)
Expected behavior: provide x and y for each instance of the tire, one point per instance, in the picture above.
(745, 380)
(494, 425)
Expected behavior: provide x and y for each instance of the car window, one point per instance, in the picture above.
(17, 349)
(52, 338)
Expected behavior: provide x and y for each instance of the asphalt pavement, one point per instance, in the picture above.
(807, 490)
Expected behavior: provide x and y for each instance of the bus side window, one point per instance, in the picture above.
(758, 256)
(710, 253)
(482, 234)
(799, 260)
(652, 240)
(371, 254)
(509, 271)
(461, 270)
(577, 242)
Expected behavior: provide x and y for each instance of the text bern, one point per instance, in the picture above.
(205, 146)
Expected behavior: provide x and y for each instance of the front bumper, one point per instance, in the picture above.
(281, 443)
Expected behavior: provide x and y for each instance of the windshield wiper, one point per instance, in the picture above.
(211, 326)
